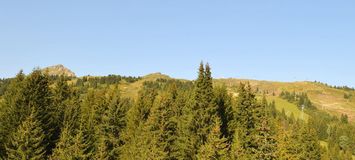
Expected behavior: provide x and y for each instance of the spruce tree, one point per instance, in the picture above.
(310, 144)
(204, 108)
(244, 143)
(63, 146)
(72, 144)
(71, 122)
(265, 136)
(28, 141)
(37, 94)
(137, 115)
(81, 146)
(110, 126)
(186, 138)
(160, 128)
(216, 146)
(12, 104)
(224, 111)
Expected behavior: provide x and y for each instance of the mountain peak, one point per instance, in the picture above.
(58, 70)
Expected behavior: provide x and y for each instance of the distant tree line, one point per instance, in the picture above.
(108, 80)
(300, 99)
(345, 88)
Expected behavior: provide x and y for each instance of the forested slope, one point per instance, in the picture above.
(157, 117)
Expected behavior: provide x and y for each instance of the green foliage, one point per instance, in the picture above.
(225, 111)
(110, 125)
(27, 142)
(245, 123)
(347, 95)
(204, 107)
(216, 146)
(57, 117)
(11, 105)
(310, 145)
(344, 118)
(300, 99)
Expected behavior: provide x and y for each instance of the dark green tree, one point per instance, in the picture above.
(224, 111)
(37, 94)
(245, 123)
(204, 107)
(12, 104)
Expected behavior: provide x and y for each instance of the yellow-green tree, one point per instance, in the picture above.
(216, 146)
(28, 141)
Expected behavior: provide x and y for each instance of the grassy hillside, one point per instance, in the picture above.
(131, 89)
(323, 97)
(288, 107)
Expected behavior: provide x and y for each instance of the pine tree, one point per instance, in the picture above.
(245, 124)
(37, 94)
(64, 103)
(63, 147)
(72, 144)
(81, 147)
(204, 108)
(216, 146)
(225, 111)
(28, 141)
(186, 139)
(264, 138)
(160, 129)
(11, 105)
(310, 144)
(71, 121)
(137, 115)
(110, 126)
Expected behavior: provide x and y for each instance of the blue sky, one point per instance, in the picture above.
(282, 40)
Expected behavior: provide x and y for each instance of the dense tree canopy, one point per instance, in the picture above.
(56, 117)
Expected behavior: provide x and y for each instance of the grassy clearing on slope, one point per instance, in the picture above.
(130, 90)
(323, 97)
(288, 107)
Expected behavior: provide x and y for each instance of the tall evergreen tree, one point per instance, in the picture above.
(81, 146)
(245, 124)
(224, 111)
(37, 94)
(216, 146)
(310, 144)
(63, 147)
(72, 144)
(265, 136)
(12, 104)
(110, 126)
(71, 121)
(161, 126)
(204, 108)
(28, 141)
(136, 117)
(186, 139)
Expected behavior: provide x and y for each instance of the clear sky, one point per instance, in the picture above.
(284, 40)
